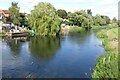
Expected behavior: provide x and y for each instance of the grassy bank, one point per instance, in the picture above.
(76, 29)
(96, 28)
(107, 65)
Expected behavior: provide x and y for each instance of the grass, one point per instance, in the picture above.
(95, 28)
(107, 65)
(76, 29)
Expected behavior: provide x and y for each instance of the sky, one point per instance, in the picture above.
(103, 7)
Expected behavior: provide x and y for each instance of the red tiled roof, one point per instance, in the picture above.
(6, 11)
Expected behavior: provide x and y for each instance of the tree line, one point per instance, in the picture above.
(44, 19)
(16, 17)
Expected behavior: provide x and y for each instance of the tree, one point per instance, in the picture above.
(80, 18)
(107, 19)
(89, 12)
(99, 20)
(14, 13)
(44, 20)
(114, 20)
(62, 13)
(23, 20)
(84, 19)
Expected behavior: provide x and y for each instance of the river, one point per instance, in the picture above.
(69, 56)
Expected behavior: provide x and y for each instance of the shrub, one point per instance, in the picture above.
(76, 29)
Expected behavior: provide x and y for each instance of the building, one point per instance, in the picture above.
(4, 13)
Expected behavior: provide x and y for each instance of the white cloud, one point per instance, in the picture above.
(104, 7)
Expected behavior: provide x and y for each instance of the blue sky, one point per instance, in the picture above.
(103, 7)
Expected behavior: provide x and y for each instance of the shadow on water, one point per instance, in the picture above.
(15, 44)
(44, 47)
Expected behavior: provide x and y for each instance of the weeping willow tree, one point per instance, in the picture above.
(44, 20)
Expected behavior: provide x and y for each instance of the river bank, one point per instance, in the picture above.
(107, 65)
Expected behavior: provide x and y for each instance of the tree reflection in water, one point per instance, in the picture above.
(15, 44)
(44, 47)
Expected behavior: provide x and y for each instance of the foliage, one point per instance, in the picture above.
(113, 25)
(80, 18)
(97, 28)
(44, 20)
(62, 13)
(118, 23)
(2, 34)
(99, 21)
(23, 20)
(102, 34)
(114, 20)
(89, 12)
(4, 20)
(107, 19)
(75, 29)
(14, 13)
(107, 65)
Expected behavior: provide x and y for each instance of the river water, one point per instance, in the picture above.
(69, 56)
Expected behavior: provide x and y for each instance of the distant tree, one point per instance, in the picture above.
(14, 13)
(99, 20)
(80, 18)
(118, 23)
(44, 20)
(84, 19)
(107, 19)
(23, 20)
(72, 17)
(62, 13)
(89, 12)
(114, 20)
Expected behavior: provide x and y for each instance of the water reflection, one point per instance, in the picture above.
(15, 44)
(44, 47)
(42, 57)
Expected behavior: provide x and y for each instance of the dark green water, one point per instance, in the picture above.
(71, 56)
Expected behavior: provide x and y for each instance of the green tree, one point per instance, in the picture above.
(107, 19)
(114, 20)
(99, 20)
(62, 13)
(84, 19)
(89, 12)
(80, 18)
(72, 17)
(44, 20)
(14, 13)
(23, 20)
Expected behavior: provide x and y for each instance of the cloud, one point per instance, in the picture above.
(105, 7)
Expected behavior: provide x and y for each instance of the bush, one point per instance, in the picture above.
(113, 25)
(106, 67)
(76, 29)
(101, 34)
